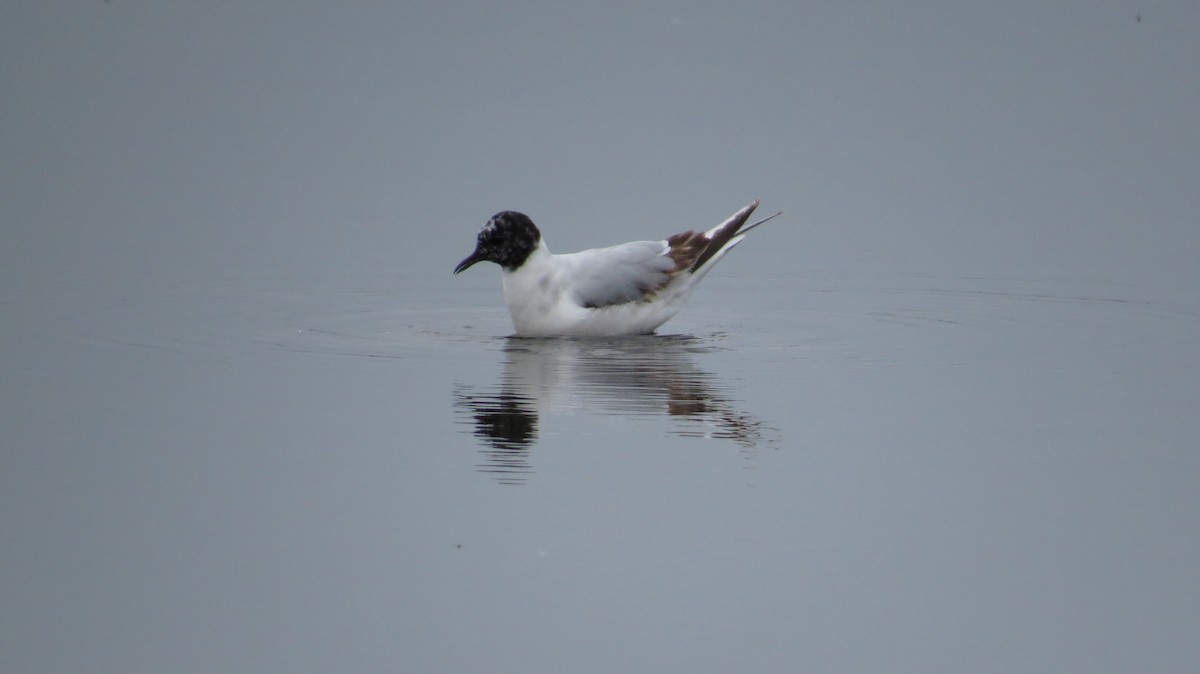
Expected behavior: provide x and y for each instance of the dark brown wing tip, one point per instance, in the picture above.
(722, 236)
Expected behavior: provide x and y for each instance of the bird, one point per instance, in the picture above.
(627, 289)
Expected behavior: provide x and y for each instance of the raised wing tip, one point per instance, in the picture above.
(748, 209)
(721, 237)
(766, 219)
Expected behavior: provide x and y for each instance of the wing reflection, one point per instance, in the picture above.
(633, 376)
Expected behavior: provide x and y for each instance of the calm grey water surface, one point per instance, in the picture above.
(941, 416)
(829, 470)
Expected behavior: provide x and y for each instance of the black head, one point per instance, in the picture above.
(507, 239)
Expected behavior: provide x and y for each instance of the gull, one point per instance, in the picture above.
(628, 289)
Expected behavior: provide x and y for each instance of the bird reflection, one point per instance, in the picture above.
(632, 376)
(508, 423)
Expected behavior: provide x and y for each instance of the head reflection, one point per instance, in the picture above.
(644, 376)
(507, 423)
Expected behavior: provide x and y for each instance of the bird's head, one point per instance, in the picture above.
(507, 239)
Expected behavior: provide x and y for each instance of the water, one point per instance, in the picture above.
(835, 469)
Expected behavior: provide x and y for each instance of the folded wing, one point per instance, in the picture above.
(636, 271)
(630, 272)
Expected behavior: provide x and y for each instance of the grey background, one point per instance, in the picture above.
(238, 377)
(1007, 137)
